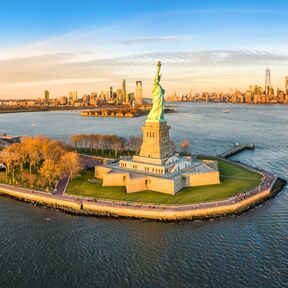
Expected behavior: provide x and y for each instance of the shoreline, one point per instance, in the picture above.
(11, 111)
(188, 212)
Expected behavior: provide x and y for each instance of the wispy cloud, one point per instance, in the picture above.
(154, 39)
(64, 70)
(55, 82)
(205, 58)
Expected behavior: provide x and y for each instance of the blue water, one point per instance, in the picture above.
(70, 251)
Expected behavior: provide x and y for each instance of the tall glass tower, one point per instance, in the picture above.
(267, 81)
(124, 93)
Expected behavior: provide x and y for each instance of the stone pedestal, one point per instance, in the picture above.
(156, 141)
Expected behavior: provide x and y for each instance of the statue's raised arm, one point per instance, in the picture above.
(157, 78)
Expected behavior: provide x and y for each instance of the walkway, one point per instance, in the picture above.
(62, 185)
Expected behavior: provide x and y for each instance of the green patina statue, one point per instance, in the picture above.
(157, 112)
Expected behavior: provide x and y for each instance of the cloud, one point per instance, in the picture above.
(64, 71)
(205, 58)
(54, 82)
(169, 38)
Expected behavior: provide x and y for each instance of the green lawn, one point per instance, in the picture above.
(227, 188)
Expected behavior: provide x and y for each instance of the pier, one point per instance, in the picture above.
(237, 149)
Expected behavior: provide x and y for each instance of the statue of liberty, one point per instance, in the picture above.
(157, 112)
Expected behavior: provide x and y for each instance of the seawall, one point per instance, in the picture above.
(233, 205)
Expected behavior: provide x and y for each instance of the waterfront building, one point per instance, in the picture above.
(139, 95)
(73, 96)
(131, 97)
(124, 93)
(102, 95)
(119, 95)
(248, 96)
(63, 100)
(46, 97)
(86, 99)
(280, 96)
(267, 81)
(157, 167)
(111, 93)
(286, 85)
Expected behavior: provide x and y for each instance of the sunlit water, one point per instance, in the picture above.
(250, 250)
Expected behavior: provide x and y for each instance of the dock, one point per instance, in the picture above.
(237, 148)
(6, 140)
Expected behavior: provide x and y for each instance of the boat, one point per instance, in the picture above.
(226, 111)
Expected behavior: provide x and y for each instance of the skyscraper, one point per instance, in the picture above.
(119, 95)
(286, 85)
(111, 93)
(73, 96)
(267, 81)
(138, 92)
(124, 93)
(46, 97)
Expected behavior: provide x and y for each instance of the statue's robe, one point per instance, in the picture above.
(157, 111)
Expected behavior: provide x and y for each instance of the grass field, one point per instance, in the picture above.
(234, 180)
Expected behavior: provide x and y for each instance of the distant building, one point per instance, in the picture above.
(102, 95)
(124, 93)
(286, 85)
(46, 97)
(119, 95)
(131, 97)
(73, 96)
(139, 94)
(267, 81)
(63, 100)
(111, 93)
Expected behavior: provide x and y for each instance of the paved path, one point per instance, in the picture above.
(90, 162)
(62, 185)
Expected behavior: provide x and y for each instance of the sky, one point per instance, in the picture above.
(90, 45)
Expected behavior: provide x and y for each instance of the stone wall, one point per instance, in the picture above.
(100, 171)
(160, 212)
(115, 179)
(136, 184)
(202, 179)
(44, 198)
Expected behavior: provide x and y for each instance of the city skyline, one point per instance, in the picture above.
(90, 46)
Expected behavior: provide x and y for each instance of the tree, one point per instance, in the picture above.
(135, 143)
(50, 171)
(34, 159)
(184, 146)
(10, 157)
(71, 164)
(75, 140)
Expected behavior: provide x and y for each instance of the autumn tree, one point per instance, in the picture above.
(71, 164)
(51, 171)
(184, 146)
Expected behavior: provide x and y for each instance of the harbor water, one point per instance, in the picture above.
(249, 250)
